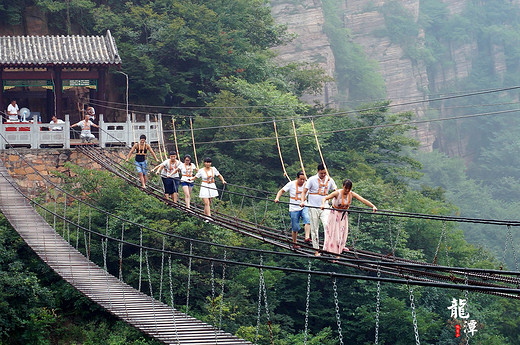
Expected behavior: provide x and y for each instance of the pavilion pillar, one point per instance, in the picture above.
(2, 108)
(58, 90)
(101, 91)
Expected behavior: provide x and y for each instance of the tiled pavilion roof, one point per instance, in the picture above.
(19, 51)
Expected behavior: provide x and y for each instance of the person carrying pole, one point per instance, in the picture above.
(316, 189)
(296, 212)
(141, 149)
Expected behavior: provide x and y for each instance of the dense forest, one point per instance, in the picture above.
(217, 56)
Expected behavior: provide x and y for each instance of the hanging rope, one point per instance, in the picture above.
(280, 151)
(175, 137)
(121, 252)
(158, 138)
(150, 287)
(319, 147)
(193, 142)
(140, 256)
(298, 149)
(161, 131)
(513, 249)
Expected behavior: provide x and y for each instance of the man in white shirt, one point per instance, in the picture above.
(315, 190)
(55, 120)
(297, 212)
(13, 110)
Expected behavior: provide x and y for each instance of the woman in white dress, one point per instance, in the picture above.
(208, 189)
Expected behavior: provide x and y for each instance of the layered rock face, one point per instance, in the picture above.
(305, 19)
(405, 79)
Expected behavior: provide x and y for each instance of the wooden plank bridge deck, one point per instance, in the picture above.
(139, 310)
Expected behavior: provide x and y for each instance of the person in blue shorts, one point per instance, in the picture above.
(170, 179)
(187, 170)
(297, 212)
(141, 149)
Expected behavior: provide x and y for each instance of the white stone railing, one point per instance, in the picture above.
(40, 135)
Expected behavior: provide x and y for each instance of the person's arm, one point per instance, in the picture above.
(74, 125)
(158, 169)
(364, 201)
(328, 197)
(130, 153)
(94, 125)
(278, 195)
(222, 179)
(304, 196)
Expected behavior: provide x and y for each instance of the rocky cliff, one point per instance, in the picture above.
(406, 79)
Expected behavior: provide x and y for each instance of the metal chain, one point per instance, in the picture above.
(140, 256)
(268, 316)
(189, 280)
(222, 290)
(435, 257)
(213, 300)
(414, 316)
(336, 302)
(121, 252)
(162, 269)
(213, 291)
(151, 291)
(307, 301)
(259, 300)
(510, 235)
(171, 300)
(399, 227)
(78, 225)
(390, 235)
(446, 244)
(466, 295)
(378, 306)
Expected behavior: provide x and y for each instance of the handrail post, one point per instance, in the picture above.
(102, 131)
(67, 132)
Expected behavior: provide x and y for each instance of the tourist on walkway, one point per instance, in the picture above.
(337, 230)
(208, 188)
(187, 169)
(296, 212)
(170, 179)
(141, 149)
(317, 188)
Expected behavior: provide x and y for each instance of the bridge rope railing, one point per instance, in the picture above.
(357, 263)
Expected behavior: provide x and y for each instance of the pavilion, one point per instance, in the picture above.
(52, 74)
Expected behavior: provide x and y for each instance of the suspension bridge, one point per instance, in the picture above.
(161, 320)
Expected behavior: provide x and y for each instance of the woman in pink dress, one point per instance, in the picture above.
(337, 229)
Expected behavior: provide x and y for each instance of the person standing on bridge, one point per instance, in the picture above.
(141, 149)
(85, 125)
(317, 188)
(337, 230)
(187, 170)
(296, 212)
(170, 179)
(208, 188)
